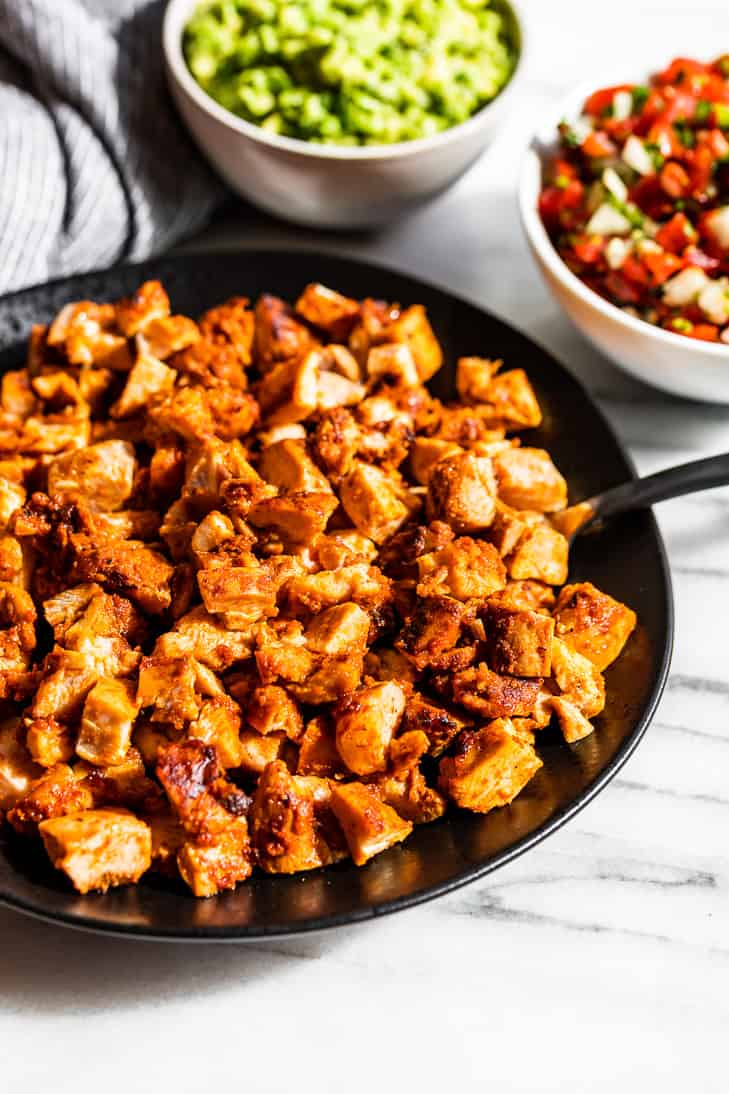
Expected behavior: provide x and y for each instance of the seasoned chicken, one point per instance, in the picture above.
(98, 848)
(489, 767)
(266, 601)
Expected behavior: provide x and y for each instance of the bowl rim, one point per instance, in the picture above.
(541, 141)
(173, 22)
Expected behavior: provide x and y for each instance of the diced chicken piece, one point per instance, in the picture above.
(394, 362)
(473, 378)
(286, 465)
(206, 804)
(388, 664)
(365, 723)
(84, 331)
(425, 454)
(125, 783)
(54, 794)
(67, 679)
(328, 310)
(213, 530)
(491, 695)
(339, 549)
(133, 313)
(284, 826)
(101, 475)
(432, 631)
(465, 568)
(148, 378)
(318, 753)
(167, 335)
(214, 866)
(259, 750)
(127, 566)
(572, 721)
(149, 737)
(369, 825)
(185, 411)
(16, 563)
(339, 630)
(218, 724)
(519, 643)
(17, 637)
(106, 723)
(462, 492)
(249, 591)
(377, 502)
(511, 402)
(412, 328)
(231, 326)
(271, 709)
(279, 335)
(12, 496)
(410, 796)
(168, 836)
(525, 596)
(298, 518)
(578, 679)
(17, 769)
(200, 635)
(361, 584)
(170, 686)
(593, 623)
(541, 555)
(406, 751)
(49, 742)
(16, 393)
(335, 442)
(281, 653)
(489, 768)
(98, 848)
(439, 725)
(527, 479)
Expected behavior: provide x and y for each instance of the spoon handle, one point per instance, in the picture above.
(672, 483)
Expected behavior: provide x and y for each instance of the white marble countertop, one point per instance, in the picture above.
(597, 961)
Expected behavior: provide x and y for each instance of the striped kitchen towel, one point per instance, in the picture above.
(95, 167)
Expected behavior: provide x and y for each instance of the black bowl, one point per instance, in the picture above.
(626, 559)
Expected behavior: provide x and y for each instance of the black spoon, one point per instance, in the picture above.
(639, 493)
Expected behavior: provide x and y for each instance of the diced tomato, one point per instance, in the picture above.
(661, 266)
(715, 141)
(619, 129)
(555, 200)
(679, 69)
(701, 168)
(588, 249)
(705, 332)
(652, 110)
(597, 145)
(679, 104)
(650, 198)
(674, 180)
(634, 271)
(564, 169)
(715, 89)
(597, 103)
(676, 234)
(620, 289)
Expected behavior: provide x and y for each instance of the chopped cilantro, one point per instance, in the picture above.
(703, 110)
(631, 212)
(640, 94)
(684, 133)
(654, 152)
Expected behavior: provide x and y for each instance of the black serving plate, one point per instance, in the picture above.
(626, 559)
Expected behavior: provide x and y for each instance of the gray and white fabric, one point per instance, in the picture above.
(95, 167)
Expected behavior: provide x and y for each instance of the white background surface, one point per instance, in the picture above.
(598, 961)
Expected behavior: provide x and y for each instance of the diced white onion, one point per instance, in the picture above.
(714, 300)
(622, 105)
(581, 127)
(647, 246)
(607, 221)
(718, 224)
(612, 181)
(636, 156)
(684, 287)
(616, 252)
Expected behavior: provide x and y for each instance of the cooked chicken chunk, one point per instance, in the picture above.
(107, 720)
(527, 479)
(465, 568)
(98, 848)
(285, 828)
(462, 492)
(376, 501)
(489, 768)
(593, 623)
(519, 643)
(17, 769)
(365, 723)
(369, 825)
(328, 310)
(540, 555)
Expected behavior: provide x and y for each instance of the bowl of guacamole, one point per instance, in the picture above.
(341, 113)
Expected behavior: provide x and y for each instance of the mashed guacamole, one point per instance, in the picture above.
(350, 72)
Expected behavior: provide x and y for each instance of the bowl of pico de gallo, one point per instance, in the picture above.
(624, 198)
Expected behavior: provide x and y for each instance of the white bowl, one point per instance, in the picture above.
(320, 185)
(672, 362)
